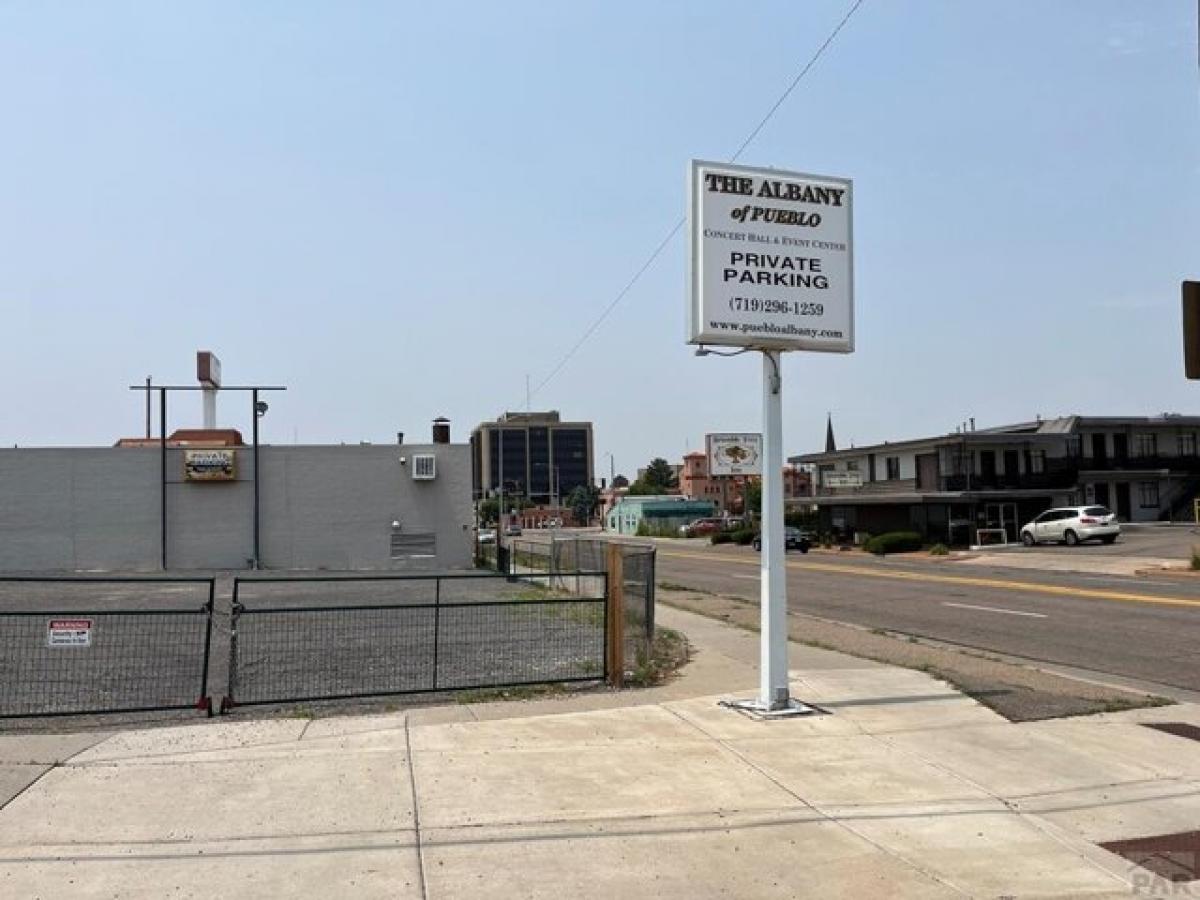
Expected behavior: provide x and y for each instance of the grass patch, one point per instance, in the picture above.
(669, 653)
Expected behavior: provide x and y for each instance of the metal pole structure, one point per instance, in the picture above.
(500, 506)
(254, 432)
(162, 468)
(147, 407)
(773, 694)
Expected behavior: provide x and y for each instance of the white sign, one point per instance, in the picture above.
(734, 454)
(842, 479)
(69, 633)
(771, 259)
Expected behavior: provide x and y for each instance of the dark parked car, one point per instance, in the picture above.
(793, 539)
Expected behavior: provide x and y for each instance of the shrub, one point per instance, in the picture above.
(648, 528)
(1196, 559)
(894, 542)
(722, 537)
(743, 536)
(939, 550)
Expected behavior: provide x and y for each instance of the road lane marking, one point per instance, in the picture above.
(996, 609)
(747, 577)
(896, 574)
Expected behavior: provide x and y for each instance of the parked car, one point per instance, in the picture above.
(1072, 524)
(793, 539)
(487, 535)
(512, 531)
(701, 527)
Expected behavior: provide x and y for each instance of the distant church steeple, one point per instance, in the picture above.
(830, 443)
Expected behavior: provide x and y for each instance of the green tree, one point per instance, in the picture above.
(659, 478)
(754, 496)
(489, 508)
(583, 501)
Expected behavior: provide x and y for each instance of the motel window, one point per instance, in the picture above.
(1145, 444)
(1148, 492)
(893, 468)
(1187, 444)
(1037, 461)
(852, 465)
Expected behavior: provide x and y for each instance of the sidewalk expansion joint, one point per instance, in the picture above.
(21, 793)
(412, 781)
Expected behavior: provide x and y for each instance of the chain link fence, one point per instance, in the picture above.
(566, 559)
(304, 638)
(77, 645)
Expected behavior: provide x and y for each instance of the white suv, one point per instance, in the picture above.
(1072, 524)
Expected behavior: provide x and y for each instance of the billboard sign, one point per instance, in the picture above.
(209, 465)
(771, 259)
(734, 454)
(208, 369)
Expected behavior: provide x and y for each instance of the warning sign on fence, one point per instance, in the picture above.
(69, 633)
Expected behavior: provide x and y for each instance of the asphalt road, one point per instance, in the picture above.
(1145, 629)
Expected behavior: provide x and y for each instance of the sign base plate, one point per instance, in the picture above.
(754, 709)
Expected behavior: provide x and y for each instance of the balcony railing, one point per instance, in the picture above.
(1030, 482)
(1189, 464)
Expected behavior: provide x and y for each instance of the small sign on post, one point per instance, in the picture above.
(69, 633)
(734, 454)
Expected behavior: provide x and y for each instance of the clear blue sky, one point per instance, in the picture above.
(400, 210)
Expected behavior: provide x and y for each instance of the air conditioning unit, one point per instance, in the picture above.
(424, 467)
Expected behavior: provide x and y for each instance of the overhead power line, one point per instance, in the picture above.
(675, 229)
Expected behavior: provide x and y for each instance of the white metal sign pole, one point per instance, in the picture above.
(773, 575)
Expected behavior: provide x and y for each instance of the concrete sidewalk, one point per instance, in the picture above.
(904, 789)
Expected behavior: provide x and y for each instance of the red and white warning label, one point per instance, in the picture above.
(69, 633)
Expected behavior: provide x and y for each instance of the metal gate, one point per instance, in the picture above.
(305, 638)
(74, 645)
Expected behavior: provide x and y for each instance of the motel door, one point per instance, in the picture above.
(1003, 515)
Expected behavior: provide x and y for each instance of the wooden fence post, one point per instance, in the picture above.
(614, 611)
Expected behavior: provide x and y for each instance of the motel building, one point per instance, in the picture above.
(948, 487)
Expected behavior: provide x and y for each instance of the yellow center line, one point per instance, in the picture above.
(1023, 586)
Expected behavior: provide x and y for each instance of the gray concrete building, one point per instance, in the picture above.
(399, 507)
